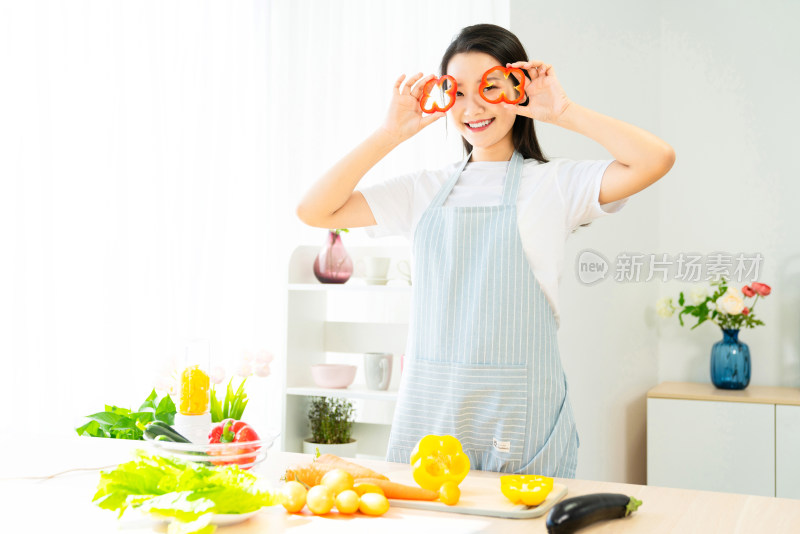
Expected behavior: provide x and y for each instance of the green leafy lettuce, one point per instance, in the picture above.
(186, 493)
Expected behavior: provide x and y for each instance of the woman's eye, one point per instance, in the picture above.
(458, 93)
(490, 87)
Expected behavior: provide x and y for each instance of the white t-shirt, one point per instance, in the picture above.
(554, 198)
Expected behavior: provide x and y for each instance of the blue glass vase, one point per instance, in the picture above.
(730, 361)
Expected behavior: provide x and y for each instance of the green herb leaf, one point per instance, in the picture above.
(117, 410)
(106, 418)
(165, 411)
(215, 408)
(92, 429)
(121, 423)
(226, 408)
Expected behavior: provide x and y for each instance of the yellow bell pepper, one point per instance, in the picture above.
(439, 459)
(530, 490)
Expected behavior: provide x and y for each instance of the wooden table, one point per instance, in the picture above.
(64, 502)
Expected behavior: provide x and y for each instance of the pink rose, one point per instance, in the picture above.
(748, 291)
(746, 310)
(761, 289)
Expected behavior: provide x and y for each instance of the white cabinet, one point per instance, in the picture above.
(338, 323)
(787, 451)
(699, 437)
(714, 446)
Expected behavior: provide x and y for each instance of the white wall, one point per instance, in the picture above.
(718, 82)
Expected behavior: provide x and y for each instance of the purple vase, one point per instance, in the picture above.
(333, 264)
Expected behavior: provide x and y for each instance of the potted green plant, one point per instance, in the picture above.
(331, 422)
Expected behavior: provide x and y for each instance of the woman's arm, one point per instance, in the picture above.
(641, 157)
(332, 201)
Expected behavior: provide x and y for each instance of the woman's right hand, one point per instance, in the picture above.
(405, 117)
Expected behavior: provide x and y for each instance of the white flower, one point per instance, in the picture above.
(732, 302)
(698, 294)
(664, 307)
(735, 291)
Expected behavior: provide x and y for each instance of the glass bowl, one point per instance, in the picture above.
(245, 454)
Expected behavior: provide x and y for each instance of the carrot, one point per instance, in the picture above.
(393, 490)
(311, 474)
(358, 471)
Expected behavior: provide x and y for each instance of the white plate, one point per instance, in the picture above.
(232, 519)
(216, 519)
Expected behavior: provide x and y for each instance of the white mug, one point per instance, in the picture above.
(378, 370)
(375, 269)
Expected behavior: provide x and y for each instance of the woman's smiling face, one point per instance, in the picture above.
(487, 127)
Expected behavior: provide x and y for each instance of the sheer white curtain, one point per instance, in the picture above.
(134, 184)
(153, 155)
(337, 62)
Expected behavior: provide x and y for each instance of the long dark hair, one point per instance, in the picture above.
(504, 46)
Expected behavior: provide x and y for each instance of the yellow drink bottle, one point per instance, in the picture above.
(193, 419)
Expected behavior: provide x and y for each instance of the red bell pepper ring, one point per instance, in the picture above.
(506, 71)
(233, 431)
(426, 93)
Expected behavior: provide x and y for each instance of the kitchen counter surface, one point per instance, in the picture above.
(64, 502)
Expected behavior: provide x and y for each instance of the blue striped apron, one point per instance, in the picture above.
(482, 360)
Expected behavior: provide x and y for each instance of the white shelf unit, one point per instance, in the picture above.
(338, 323)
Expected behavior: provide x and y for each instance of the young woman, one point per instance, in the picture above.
(482, 360)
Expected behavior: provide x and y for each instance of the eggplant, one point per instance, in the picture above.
(577, 512)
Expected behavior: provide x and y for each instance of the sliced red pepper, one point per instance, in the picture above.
(426, 93)
(506, 71)
(233, 431)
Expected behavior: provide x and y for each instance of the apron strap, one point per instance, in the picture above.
(441, 196)
(510, 184)
(513, 178)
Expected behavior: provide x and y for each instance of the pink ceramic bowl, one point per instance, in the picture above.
(333, 375)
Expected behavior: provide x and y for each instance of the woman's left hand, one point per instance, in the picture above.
(547, 100)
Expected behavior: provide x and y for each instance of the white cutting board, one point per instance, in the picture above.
(480, 495)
